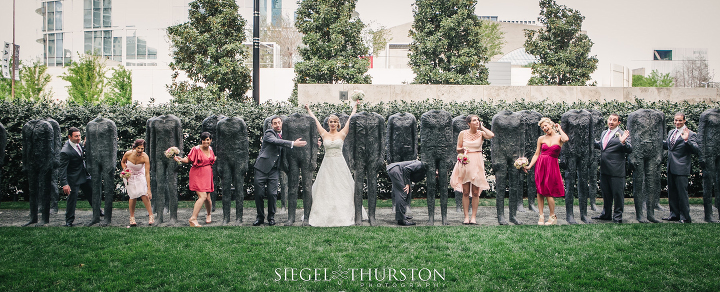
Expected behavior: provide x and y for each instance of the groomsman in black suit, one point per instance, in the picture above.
(72, 174)
(681, 143)
(266, 170)
(614, 147)
(402, 175)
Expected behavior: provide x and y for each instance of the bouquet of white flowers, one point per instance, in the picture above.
(521, 162)
(357, 95)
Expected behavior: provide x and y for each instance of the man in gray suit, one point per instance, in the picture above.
(614, 147)
(681, 143)
(72, 173)
(402, 175)
(266, 170)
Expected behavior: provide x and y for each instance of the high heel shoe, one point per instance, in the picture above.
(208, 219)
(151, 219)
(541, 221)
(552, 220)
(132, 222)
(194, 223)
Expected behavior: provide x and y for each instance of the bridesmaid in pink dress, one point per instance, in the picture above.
(470, 178)
(201, 176)
(547, 173)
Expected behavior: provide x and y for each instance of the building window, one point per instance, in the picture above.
(138, 49)
(55, 55)
(662, 55)
(52, 15)
(102, 43)
(98, 13)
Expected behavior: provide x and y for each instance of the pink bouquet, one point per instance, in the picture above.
(521, 162)
(462, 158)
(171, 152)
(126, 173)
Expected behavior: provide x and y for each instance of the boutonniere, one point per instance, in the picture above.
(617, 134)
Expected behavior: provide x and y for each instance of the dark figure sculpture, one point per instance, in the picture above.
(162, 133)
(708, 134)
(101, 150)
(528, 122)
(437, 152)
(39, 162)
(3, 143)
(366, 158)
(401, 144)
(647, 130)
(300, 161)
(506, 147)
(54, 193)
(283, 178)
(208, 125)
(576, 157)
(598, 122)
(459, 125)
(232, 162)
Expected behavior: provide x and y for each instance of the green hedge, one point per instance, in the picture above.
(131, 119)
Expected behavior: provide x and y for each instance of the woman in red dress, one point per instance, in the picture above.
(547, 173)
(201, 176)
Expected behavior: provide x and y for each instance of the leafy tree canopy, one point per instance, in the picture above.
(563, 50)
(655, 79)
(448, 45)
(87, 79)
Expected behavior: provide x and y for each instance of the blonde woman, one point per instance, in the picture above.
(548, 180)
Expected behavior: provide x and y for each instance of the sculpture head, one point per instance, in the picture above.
(206, 139)
(139, 146)
(613, 121)
(277, 124)
(679, 120)
(74, 135)
(333, 122)
(547, 126)
(473, 121)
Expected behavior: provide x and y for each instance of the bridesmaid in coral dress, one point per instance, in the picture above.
(547, 173)
(469, 177)
(201, 176)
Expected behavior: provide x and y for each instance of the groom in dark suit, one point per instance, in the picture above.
(681, 143)
(72, 174)
(614, 145)
(266, 170)
(402, 175)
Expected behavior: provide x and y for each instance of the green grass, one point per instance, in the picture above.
(84, 205)
(599, 257)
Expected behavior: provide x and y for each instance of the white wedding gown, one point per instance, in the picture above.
(333, 190)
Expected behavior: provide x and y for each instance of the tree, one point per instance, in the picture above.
(33, 82)
(376, 38)
(286, 36)
(693, 73)
(563, 50)
(209, 49)
(87, 79)
(655, 79)
(447, 45)
(492, 38)
(120, 91)
(334, 47)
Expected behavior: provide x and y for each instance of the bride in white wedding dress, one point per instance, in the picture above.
(334, 187)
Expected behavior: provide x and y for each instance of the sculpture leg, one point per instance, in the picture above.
(216, 183)
(570, 186)
(108, 190)
(54, 193)
(501, 175)
(709, 180)
(652, 177)
(226, 182)
(172, 196)
(531, 190)
(238, 193)
(359, 181)
(34, 181)
(640, 189)
(431, 190)
(46, 196)
(593, 183)
(516, 192)
(583, 190)
(442, 188)
(283, 190)
(96, 189)
(293, 185)
(715, 176)
(307, 177)
(458, 202)
(372, 194)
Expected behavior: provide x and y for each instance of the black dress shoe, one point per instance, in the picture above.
(601, 218)
(271, 222)
(258, 222)
(673, 218)
(102, 214)
(617, 221)
(685, 221)
(68, 225)
(408, 217)
(405, 223)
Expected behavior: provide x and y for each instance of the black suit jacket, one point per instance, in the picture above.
(72, 169)
(413, 171)
(612, 158)
(679, 153)
(270, 151)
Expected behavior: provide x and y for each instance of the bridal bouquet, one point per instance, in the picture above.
(171, 152)
(462, 158)
(125, 173)
(357, 95)
(521, 162)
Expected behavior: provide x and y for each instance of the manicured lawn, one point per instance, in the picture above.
(598, 257)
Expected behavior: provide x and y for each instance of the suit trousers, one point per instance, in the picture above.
(612, 188)
(86, 188)
(678, 196)
(266, 184)
(401, 198)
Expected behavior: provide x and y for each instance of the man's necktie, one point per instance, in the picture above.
(673, 138)
(606, 139)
